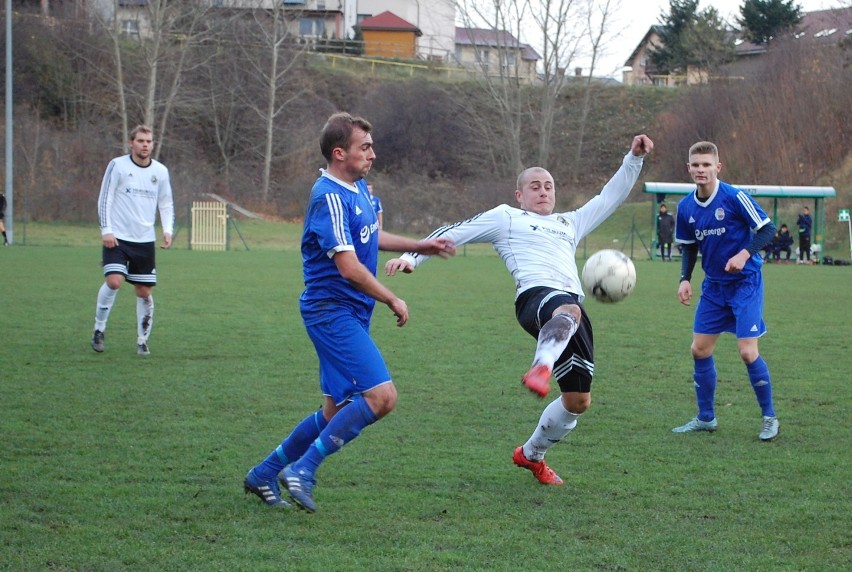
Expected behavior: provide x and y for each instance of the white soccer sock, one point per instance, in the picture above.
(106, 298)
(555, 423)
(553, 339)
(144, 318)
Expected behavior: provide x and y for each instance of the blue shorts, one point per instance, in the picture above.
(735, 307)
(350, 363)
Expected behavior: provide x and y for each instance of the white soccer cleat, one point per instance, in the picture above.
(770, 428)
(697, 424)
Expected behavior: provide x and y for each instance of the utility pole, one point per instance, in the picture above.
(10, 202)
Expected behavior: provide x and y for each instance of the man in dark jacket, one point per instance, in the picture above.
(805, 222)
(3, 218)
(665, 232)
(782, 242)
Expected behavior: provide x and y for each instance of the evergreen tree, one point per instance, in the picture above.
(762, 20)
(708, 43)
(356, 45)
(691, 38)
(670, 57)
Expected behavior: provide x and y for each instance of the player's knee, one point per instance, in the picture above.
(748, 355)
(114, 281)
(570, 309)
(576, 402)
(382, 399)
(700, 351)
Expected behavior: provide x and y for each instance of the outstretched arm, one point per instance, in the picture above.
(601, 206)
(443, 247)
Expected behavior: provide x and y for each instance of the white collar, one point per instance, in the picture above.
(344, 184)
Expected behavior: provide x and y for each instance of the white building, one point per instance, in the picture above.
(318, 18)
(435, 18)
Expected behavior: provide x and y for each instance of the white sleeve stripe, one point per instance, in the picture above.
(102, 205)
(749, 206)
(440, 231)
(446, 228)
(336, 210)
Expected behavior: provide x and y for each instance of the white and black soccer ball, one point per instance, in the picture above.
(609, 276)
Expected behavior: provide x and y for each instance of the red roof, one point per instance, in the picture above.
(388, 21)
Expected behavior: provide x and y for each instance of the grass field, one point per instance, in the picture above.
(118, 462)
(253, 235)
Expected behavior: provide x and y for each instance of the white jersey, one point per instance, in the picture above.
(539, 250)
(130, 197)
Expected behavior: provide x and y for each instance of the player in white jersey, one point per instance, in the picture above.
(730, 229)
(538, 247)
(134, 188)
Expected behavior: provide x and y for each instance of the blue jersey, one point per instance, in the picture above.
(722, 226)
(340, 217)
(377, 203)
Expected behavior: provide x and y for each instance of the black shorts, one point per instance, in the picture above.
(135, 260)
(576, 366)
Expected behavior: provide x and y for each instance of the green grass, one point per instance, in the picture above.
(254, 235)
(117, 462)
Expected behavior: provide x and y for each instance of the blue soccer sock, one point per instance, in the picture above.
(705, 387)
(343, 428)
(761, 382)
(294, 446)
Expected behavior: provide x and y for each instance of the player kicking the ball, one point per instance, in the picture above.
(539, 249)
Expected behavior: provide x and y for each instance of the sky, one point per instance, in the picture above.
(634, 18)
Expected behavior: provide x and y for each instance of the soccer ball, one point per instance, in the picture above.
(609, 276)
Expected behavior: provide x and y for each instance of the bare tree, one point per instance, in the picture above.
(222, 107)
(167, 31)
(598, 17)
(566, 30)
(499, 76)
(556, 21)
(271, 59)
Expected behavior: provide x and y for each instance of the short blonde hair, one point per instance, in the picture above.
(140, 129)
(704, 148)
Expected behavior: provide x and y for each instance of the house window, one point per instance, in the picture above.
(130, 28)
(643, 60)
(311, 27)
(509, 60)
(294, 2)
(482, 56)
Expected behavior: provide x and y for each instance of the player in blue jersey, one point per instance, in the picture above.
(377, 206)
(340, 248)
(729, 229)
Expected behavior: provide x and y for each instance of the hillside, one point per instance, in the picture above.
(446, 148)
